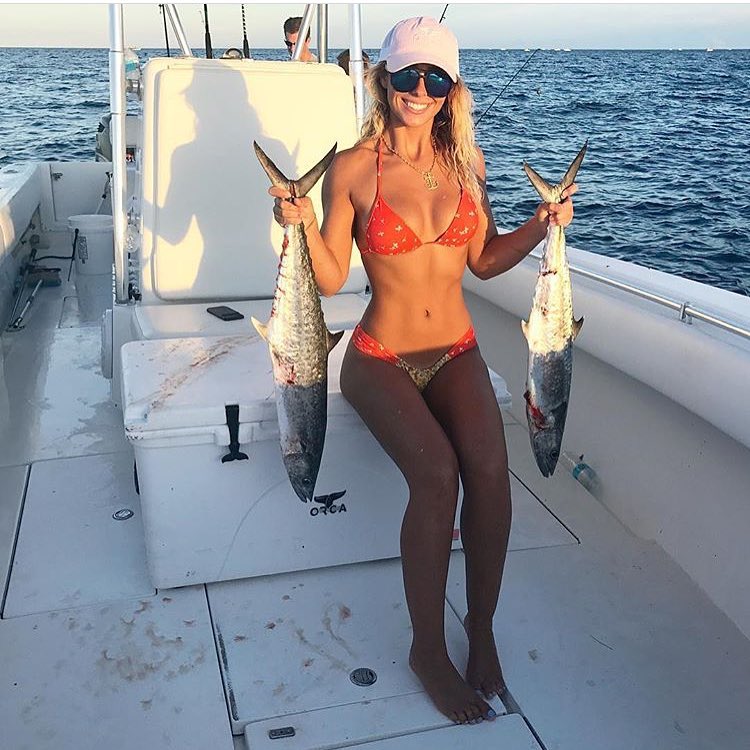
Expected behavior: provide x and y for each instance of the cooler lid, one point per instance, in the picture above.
(187, 382)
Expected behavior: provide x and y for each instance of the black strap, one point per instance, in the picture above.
(233, 423)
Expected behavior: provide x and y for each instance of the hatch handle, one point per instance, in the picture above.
(281, 733)
(233, 423)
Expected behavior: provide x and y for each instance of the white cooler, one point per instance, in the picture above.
(192, 408)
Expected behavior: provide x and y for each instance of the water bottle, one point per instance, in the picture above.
(581, 472)
(132, 72)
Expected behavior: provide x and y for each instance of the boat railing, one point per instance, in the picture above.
(174, 19)
(686, 310)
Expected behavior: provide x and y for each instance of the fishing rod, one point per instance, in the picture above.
(166, 33)
(528, 60)
(209, 49)
(245, 43)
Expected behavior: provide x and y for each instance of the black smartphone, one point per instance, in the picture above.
(225, 313)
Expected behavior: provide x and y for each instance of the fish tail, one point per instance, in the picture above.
(552, 193)
(298, 188)
(570, 175)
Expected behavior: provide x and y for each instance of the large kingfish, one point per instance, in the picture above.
(550, 332)
(299, 343)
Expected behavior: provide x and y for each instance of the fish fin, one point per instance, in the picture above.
(577, 325)
(333, 339)
(525, 329)
(304, 184)
(261, 328)
(277, 177)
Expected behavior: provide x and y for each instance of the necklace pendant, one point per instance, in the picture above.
(429, 180)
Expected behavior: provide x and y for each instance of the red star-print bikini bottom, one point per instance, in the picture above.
(420, 375)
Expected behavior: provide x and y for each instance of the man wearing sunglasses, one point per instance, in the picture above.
(291, 32)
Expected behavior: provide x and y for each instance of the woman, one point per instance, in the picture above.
(411, 193)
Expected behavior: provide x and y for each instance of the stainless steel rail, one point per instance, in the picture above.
(685, 309)
(323, 33)
(174, 19)
(303, 29)
(118, 110)
(356, 63)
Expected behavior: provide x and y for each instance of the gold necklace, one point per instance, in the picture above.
(429, 178)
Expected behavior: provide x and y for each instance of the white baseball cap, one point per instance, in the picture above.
(420, 40)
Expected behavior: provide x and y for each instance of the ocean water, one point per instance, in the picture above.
(663, 184)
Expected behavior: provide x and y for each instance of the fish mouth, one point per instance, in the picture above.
(304, 490)
(302, 470)
(546, 462)
(546, 447)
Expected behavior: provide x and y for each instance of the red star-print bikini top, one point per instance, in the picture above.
(388, 234)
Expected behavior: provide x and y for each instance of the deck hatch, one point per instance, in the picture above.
(68, 521)
(292, 641)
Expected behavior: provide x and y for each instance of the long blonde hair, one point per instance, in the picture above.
(452, 129)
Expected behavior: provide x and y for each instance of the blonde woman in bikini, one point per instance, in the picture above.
(411, 194)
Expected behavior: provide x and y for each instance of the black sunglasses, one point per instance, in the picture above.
(289, 44)
(437, 82)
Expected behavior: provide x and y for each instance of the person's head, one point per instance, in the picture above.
(415, 82)
(232, 53)
(343, 60)
(291, 32)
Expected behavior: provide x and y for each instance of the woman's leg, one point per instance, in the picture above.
(463, 401)
(394, 410)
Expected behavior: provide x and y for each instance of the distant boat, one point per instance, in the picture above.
(709, 49)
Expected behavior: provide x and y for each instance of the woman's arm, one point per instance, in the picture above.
(330, 245)
(491, 254)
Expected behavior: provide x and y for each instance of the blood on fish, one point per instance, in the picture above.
(540, 421)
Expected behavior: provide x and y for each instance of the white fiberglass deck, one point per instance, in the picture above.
(605, 641)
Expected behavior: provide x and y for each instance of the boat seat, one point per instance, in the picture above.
(206, 233)
(342, 311)
(207, 229)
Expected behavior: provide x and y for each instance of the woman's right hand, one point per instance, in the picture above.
(295, 211)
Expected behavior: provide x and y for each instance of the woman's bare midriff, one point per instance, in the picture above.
(417, 308)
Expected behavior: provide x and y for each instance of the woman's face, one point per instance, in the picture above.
(416, 107)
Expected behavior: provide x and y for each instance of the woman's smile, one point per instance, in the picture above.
(416, 106)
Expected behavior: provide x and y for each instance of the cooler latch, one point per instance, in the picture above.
(233, 423)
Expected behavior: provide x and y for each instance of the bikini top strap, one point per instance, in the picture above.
(380, 164)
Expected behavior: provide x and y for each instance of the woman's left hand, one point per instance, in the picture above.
(559, 214)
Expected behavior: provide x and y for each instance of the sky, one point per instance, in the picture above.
(477, 25)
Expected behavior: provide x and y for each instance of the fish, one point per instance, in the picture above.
(550, 332)
(299, 343)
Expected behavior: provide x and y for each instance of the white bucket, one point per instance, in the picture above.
(95, 244)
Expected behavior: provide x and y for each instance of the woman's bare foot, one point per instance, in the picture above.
(448, 690)
(483, 671)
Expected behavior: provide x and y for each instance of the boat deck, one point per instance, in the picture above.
(604, 640)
